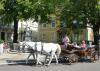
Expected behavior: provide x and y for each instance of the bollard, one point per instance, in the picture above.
(99, 49)
(1, 48)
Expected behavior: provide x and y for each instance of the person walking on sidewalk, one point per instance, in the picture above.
(5, 46)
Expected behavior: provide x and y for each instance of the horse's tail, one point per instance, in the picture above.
(58, 51)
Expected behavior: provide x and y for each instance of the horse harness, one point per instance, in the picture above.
(41, 47)
(36, 46)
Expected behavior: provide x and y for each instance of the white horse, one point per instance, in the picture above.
(49, 49)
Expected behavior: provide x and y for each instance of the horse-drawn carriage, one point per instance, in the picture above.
(68, 54)
(73, 54)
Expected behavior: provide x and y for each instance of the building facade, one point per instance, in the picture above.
(6, 31)
(46, 32)
(40, 32)
(52, 32)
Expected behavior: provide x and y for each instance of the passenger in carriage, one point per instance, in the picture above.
(83, 45)
(66, 41)
(75, 45)
(90, 45)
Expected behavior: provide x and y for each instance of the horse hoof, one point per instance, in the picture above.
(46, 64)
(56, 63)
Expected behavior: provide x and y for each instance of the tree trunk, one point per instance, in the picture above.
(96, 32)
(15, 31)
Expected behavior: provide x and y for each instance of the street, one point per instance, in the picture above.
(18, 64)
(53, 67)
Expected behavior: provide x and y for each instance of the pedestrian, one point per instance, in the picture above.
(66, 41)
(5, 46)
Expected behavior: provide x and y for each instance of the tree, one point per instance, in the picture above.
(15, 10)
(82, 10)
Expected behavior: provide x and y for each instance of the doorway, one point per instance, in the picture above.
(2, 35)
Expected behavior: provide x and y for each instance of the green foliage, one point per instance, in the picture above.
(40, 10)
(15, 10)
(80, 10)
(25, 9)
(1, 41)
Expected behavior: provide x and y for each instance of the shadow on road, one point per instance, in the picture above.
(20, 62)
(33, 63)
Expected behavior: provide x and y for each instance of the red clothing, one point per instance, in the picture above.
(5, 45)
(83, 45)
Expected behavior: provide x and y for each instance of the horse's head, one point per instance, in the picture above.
(25, 45)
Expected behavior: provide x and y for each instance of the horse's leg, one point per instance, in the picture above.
(56, 59)
(28, 58)
(51, 57)
(37, 59)
(45, 59)
(34, 57)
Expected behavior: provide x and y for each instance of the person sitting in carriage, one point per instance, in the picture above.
(75, 45)
(83, 45)
(66, 41)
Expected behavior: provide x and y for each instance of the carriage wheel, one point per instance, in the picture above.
(73, 58)
(94, 56)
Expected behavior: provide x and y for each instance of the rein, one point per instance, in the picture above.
(41, 48)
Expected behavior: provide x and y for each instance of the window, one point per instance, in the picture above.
(2, 35)
(53, 23)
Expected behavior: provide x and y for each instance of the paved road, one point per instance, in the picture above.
(7, 58)
(53, 67)
(16, 62)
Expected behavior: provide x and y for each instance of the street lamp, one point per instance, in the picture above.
(75, 31)
(99, 44)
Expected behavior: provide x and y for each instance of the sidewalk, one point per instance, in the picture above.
(11, 58)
